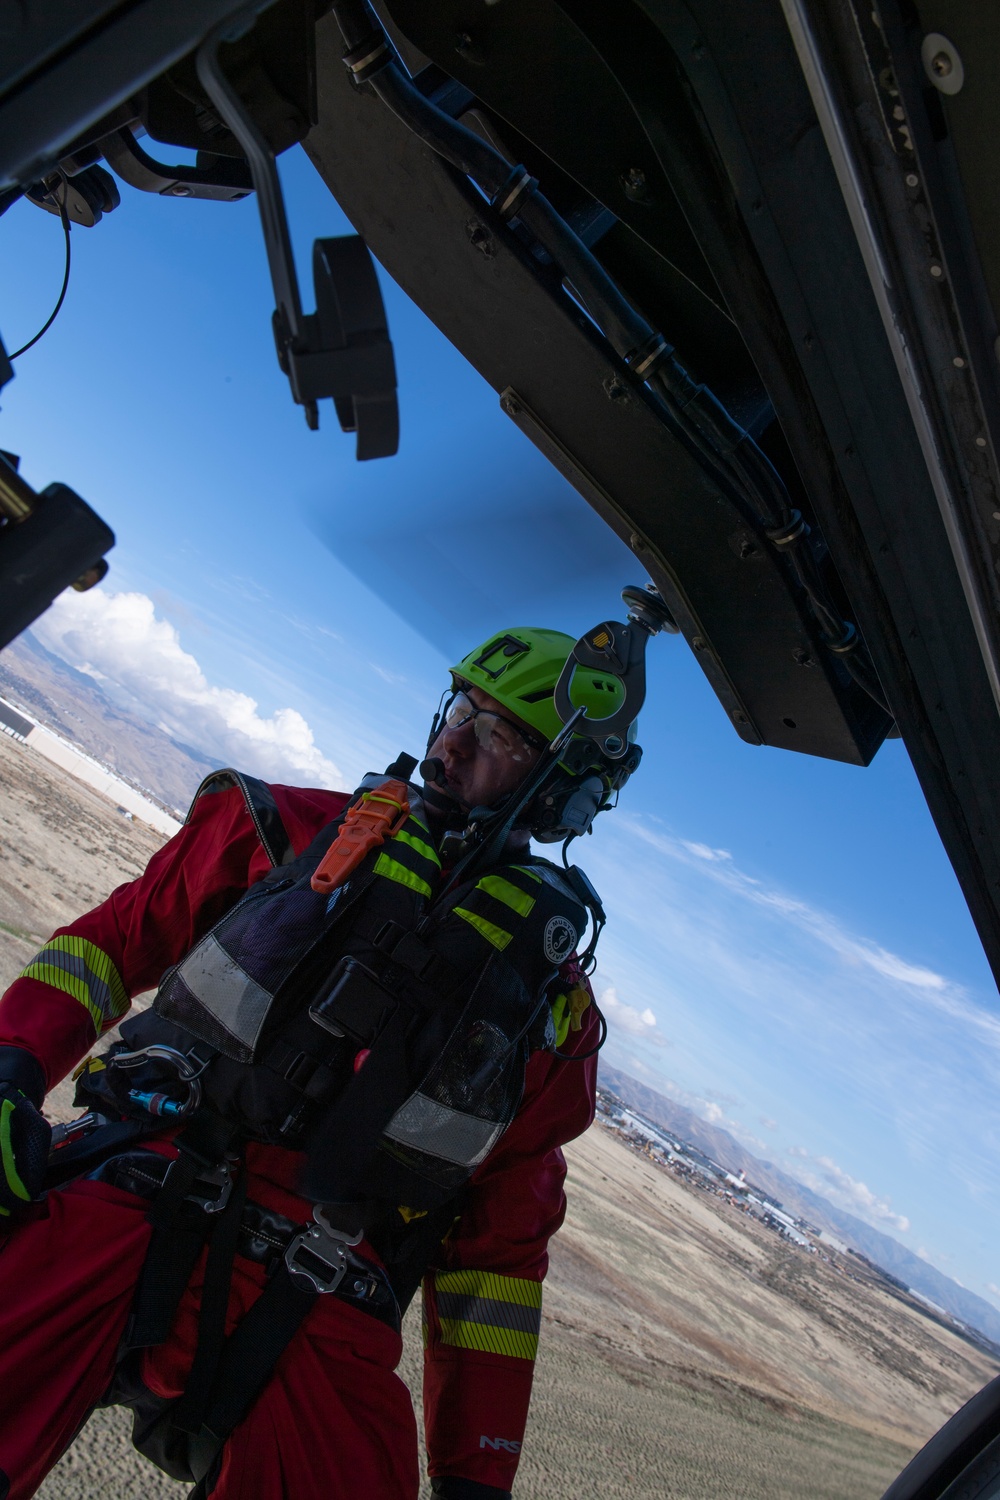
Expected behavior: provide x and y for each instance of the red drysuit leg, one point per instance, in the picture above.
(67, 1279)
(333, 1422)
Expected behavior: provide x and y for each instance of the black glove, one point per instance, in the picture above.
(450, 1487)
(24, 1133)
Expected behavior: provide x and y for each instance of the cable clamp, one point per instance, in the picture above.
(368, 57)
(650, 355)
(511, 194)
(791, 532)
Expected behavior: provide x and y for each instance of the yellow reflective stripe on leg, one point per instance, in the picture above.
(510, 895)
(489, 930)
(393, 870)
(10, 1171)
(81, 969)
(484, 1311)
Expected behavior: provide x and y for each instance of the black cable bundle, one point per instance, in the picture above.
(722, 448)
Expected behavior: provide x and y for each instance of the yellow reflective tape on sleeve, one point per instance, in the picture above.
(517, 1289)
(510, 895)
(494, 1314)
(489, 1340)
(489, 930)
(425, 849)
(81, 969)
(393, 870)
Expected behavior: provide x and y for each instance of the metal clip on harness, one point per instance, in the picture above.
(317, 1256)
(188, 1072)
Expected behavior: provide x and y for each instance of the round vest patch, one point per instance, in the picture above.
(559, 939)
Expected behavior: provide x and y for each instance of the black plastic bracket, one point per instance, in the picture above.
(343, 349)
(224, 178)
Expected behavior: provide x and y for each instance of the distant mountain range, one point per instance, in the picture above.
(79, 709)
(803, 1202)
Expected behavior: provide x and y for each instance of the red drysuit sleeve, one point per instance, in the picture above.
(83, 980)
(482, 1302)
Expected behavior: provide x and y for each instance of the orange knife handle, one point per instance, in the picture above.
(375, 815)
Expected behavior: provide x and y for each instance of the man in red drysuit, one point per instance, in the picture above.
(333, 1419)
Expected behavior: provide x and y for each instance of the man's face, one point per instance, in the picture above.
(478, 774)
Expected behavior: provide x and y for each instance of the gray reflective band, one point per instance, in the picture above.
(489, 1311)
(446, 1133)
(237, 1002)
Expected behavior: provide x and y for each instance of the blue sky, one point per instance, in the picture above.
(787, 948)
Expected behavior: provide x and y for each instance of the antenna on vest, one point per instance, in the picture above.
(402, 767)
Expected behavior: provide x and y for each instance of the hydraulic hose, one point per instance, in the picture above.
(722, 448)
(624, 328)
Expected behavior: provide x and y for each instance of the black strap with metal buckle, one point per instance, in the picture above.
(269, 1238)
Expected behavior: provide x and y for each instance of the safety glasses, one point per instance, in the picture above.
(500, 736)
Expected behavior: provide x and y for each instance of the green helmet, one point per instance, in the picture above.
(520, 669)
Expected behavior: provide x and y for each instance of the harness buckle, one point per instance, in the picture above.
(212, 1188)
(318, 1254)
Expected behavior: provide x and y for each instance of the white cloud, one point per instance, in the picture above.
(854, 950)
(767, 1122)
(702, 851)
(860, 1195)
(628, 1018)
(118, 638)
(847, 1191)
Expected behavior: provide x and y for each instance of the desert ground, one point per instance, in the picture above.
(687, 1352)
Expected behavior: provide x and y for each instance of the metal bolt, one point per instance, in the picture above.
(510, 406)
(912, 180)
(180, 190)
(942, 63)
(359, 1286)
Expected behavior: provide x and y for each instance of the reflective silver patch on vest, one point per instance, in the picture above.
(237, 1002)
(445, 1133)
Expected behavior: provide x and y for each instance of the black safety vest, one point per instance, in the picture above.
(383, 1029)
